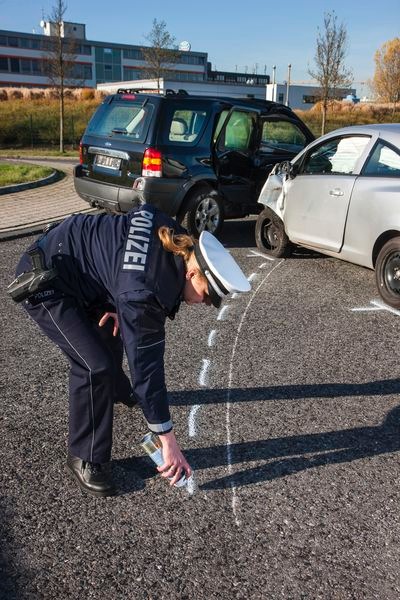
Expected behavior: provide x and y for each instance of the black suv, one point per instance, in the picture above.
(201, 159)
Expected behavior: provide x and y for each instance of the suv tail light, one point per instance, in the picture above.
(151, 165)
(80, 153)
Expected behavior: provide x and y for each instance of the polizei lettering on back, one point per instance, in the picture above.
(137, 243)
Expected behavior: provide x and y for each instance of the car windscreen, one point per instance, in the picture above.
(127, 119)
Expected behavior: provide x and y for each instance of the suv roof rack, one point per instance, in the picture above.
(168, 91)
(137, 90)
(180, 92)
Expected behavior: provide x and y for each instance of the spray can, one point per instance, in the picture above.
(151, 444)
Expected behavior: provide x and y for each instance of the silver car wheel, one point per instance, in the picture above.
(207, 216)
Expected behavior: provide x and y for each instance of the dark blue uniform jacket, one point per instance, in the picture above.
(119, 262)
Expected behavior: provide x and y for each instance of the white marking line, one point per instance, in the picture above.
(234, 295)
(251, 277)
(191, 485)
(203, 372)
(262, 266)
(221, 313)
(235, 500)
(192, 420)
(264, 256)
(366, 309)
(383, 306)
(377, 305)
(211, 338)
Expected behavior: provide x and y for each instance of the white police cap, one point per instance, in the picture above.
(223, 274)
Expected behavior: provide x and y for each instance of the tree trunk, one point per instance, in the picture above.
(61, 118)
(324, 111)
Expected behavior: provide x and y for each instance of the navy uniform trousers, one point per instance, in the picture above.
(96, 378)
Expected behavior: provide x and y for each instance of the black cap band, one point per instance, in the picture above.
(204, 268)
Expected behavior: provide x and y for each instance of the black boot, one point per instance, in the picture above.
(93, 478)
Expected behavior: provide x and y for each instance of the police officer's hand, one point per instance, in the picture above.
(174, 461)
(110, 315)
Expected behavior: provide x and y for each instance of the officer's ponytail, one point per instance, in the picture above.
(180, 244)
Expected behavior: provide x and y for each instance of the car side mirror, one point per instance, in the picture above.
(289, 169)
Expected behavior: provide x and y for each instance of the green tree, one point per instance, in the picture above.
(386, 82)
(330, 71)
(59, 60)
(162, 53)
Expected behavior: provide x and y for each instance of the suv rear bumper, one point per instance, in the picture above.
(166, 194)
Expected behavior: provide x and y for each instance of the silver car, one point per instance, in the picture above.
(340, 196)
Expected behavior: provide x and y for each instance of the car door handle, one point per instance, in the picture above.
(336, 192)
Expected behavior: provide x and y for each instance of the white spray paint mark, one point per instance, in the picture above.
(251, 277)
(366, 309)
(384, 306)
(262, 266)
(235, 499)
(211, 338)
(221, 313)
(192, 420)
(376, 306)
(234, 295)
(255, 254)
(191, 485)
(203, 372)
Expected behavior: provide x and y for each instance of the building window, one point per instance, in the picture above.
(36, 67)
(13, 42)
(188, 59)
(133, 53)
(130, 74)
(3, 63)
(14, 62)
(87, 71)
(310, 99)
(280, 97)
(26, 66)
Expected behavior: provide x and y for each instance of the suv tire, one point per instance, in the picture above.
(202, 211)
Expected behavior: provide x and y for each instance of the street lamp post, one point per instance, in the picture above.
(288, 85)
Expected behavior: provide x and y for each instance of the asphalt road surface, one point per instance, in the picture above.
(286, 403)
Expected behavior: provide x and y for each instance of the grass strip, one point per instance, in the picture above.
(14, 174)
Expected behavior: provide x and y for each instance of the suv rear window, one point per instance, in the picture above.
(125, 119)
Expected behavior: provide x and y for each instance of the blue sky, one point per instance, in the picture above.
(235, 34)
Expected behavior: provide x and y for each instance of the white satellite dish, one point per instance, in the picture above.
(42, 23)
(184, 46)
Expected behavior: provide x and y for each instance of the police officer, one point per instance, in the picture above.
(117, 279)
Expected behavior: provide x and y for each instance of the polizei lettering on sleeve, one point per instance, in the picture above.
(137, 243)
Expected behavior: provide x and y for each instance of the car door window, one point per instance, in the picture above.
(238, 132)
(383, 162)
(336, 157)
(186, 125)
(279, 135)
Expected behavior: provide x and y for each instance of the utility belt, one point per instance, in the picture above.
(40, 278)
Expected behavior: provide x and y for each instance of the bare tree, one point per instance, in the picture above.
(330, 70)
(59, 60)
(162, 53)
(386, 82)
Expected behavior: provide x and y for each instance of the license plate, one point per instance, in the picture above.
(110, 162)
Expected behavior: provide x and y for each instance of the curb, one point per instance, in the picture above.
(34, 228)
(20, 187)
